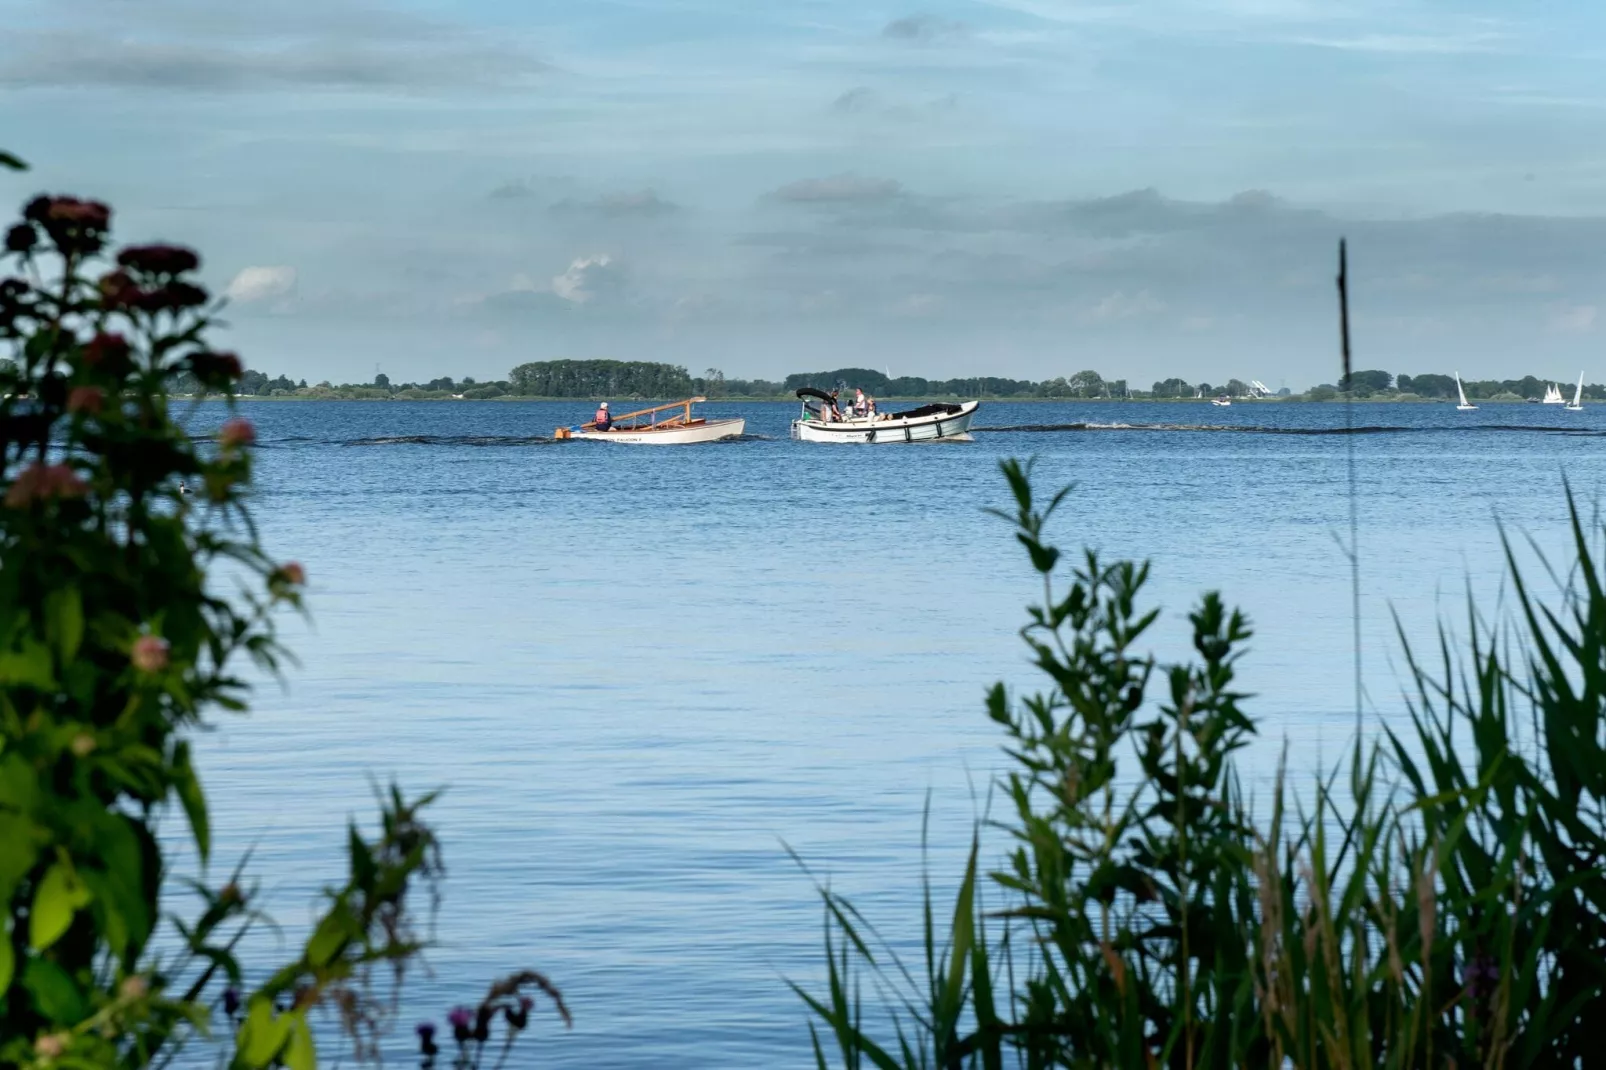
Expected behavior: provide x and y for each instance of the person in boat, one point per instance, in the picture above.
(603, 420)
(860, 407)
(869, 408)
(834, 412)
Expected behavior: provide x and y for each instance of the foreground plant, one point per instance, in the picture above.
(114, 651)
(1443, 904)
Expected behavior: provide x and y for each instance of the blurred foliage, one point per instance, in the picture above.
(117, 645)
(1437, 901)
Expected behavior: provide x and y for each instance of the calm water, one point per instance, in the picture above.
(640, 671)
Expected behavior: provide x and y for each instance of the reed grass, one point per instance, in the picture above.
(1438, 899)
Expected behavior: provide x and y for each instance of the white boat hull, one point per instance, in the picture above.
(671, 435)
(946, 425)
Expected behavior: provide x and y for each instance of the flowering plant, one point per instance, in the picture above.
(114, 651)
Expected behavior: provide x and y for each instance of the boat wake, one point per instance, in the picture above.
(1250, 429)
(446, 440)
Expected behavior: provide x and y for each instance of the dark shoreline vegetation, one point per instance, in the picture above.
(1435, 901)
(606, 380)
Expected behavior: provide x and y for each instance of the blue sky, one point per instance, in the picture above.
(1013, 187)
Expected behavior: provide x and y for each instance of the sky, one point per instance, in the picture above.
(1020, 188)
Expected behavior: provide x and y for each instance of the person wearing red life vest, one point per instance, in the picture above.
(602, 420)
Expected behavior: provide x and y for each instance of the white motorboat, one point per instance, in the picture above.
(926, 423)
(1553, 396)
(1223, 401)
(1577, 404)
(680, 429)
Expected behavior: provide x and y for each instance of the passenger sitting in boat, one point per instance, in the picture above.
(834, 413)
(869, 408)
(602, 420)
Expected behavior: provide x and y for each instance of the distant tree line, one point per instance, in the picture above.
(600, 378)
(1084, 384)
(631, 380)
(1377, 383)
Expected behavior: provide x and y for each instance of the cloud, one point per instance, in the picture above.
(922, 28)
(1120, 306)
(516, 190)
(1573, 319)
(857, 101)
(846, 188)
(862, 101)
(589, 279)
(256, 284)
(644, 204)
(183, 46)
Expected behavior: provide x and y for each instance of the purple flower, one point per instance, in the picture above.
(462, 1022)
(426, 1039)
(231, 1001)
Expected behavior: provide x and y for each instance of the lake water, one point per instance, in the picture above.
(640, 672)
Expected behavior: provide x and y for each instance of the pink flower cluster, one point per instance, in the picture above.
(42, 482)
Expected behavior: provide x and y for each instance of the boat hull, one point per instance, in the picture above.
(953, 426)
(672, 435)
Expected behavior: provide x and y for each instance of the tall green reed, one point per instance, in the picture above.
(1435, 901)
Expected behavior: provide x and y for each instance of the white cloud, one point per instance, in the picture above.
(588, 278)
(255, 284)
(1120, 306)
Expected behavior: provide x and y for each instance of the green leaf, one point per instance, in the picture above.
(19, 784)
(59, 896)
(10, 162)
(53, 992)
(19, 850)
(363, 869)
(64, 621)
(8, 962)
(28, 666)
(332, 934)
(300, 1054)
(263, 1036)
(188, 786)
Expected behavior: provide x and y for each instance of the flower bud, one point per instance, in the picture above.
(171, 297)
(149, 654)
(118, 290)
(236, 433)
(83, 745)
(107, 353)
(134, 988)
(216, 369)
(86, 400)
(21, 238)
(159, 259)
(52, 1045)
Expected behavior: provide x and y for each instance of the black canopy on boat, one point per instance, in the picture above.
(811, 392)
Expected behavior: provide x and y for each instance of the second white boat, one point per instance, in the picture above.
(927, 423)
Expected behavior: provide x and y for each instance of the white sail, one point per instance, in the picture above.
(1553, 395)
(1578, 395)
(1465, 406)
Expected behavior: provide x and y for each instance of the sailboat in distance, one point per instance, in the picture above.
(1578, 396)
(1465, 406)
(1553, 396)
